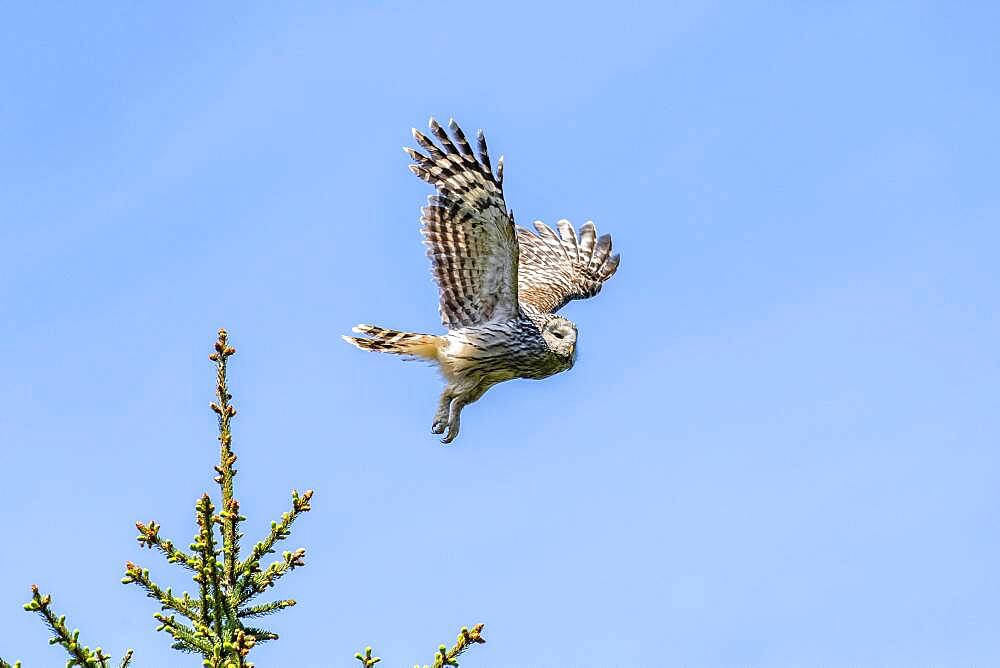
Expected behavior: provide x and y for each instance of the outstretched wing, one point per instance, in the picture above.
(557, 268)
(468, 231)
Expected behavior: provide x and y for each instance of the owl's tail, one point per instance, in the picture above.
(378, 339)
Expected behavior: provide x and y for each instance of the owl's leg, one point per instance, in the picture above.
(441, 417)
(458, 403)
(455, 417)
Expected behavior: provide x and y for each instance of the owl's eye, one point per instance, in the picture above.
(559, 335)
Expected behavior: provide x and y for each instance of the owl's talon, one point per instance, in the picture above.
(438, 427)
(454, 420)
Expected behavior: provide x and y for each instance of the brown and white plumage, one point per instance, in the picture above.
(556, 268)
(467, 229)
(499, 284)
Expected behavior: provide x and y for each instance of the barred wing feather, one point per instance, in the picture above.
(557, 268)
(467, 229)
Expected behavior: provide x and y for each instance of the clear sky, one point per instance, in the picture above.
(779, 446)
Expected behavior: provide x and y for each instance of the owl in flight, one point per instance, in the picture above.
(500, 285)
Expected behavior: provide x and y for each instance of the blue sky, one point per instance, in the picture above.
(778, 446)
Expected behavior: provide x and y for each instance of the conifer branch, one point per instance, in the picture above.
(4, 664)
(466, 638)
(80, 655)
(184, 605)
(260, 582)
(263, 609)
(231, 536)
(444, 656)
(204, 595)
(198, 639)
(149, 536)
(205, 545)
(260, 635)
(279, 531)
(230, 516)
(366, 659)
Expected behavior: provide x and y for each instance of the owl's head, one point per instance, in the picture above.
(560, 335)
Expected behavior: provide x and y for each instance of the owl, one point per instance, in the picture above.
(500, 285)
